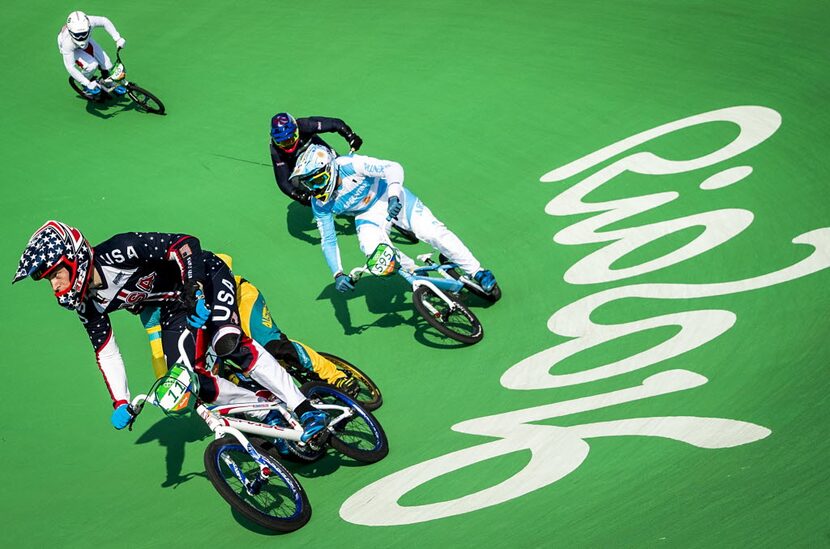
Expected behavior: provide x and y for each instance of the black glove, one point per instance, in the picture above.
(355, 142)
(303, 197)
(188, 296)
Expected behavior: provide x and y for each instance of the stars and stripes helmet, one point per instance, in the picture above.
(56, 245)
(284, 132)
(315, 171)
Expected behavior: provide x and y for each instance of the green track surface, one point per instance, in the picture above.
(477, 100)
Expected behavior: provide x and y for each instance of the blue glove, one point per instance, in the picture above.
(200, 313)
(343, 282)
(121, 416)
(393, 207)
(93, 90)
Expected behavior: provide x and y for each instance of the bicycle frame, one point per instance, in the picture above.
(420, 276)
(219, 420)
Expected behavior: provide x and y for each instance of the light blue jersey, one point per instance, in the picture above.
(362, 182)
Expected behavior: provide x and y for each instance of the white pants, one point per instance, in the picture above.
(373, 229)
(87, 63)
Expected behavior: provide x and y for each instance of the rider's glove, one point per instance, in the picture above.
(355, 142)
(93, 88)
(393, 207)
(200, 313)
(194, 300)
(120, 43)
(301, 196)
(343, 282)
(121, 416)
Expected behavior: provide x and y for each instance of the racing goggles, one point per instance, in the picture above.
(321, 185)
(287, 142)
(79, 36)
(318, 183)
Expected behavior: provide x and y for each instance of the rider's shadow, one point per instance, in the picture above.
(173, 433)
(105, 109)
(300, 223)
(386, 298)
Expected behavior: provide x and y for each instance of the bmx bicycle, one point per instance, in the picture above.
(244, 470)
(144, 100)
(436, 298)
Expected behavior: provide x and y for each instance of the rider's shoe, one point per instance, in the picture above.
(274, 417)
(347, 384)
(485, 279)
(313, 422)
(120, 90)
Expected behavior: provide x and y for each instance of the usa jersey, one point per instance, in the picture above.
(135, 268)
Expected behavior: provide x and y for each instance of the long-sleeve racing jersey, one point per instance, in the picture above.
(362, 181)
(67, 47)
(135, 268)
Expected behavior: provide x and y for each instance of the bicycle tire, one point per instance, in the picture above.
(445, 319)
(297, 514)
(145, 100)
(494, 294)
(362, 438)
(82, 94)
(370, 396)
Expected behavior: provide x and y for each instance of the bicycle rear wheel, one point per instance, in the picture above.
(361, 437)
(456, 322)
(146, 101)
(280, 504)
(369, 397)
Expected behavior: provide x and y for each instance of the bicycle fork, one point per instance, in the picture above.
(254, 485)
(221, 428)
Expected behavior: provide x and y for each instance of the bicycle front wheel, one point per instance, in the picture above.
(456, 322)
(279, 504)
(146, 101)
(369, 396)
(360, 437)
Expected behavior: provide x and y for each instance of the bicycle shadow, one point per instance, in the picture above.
(388, 299)
(173, 434)
(100, 108)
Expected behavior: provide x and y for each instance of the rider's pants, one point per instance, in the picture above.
(416, 217)
(91, 58)
(249, 356)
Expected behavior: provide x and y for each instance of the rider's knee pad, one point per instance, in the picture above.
(226, 340)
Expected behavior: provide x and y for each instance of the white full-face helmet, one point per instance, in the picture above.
(78, 26)
(316, 172)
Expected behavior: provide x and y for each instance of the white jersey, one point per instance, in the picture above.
(362, 182)
(70, 51)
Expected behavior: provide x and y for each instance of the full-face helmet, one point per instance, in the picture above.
(78, 26)
(315, 171)
(57, 245)
(284, 132)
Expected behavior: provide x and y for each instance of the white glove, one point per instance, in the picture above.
(120, 43)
